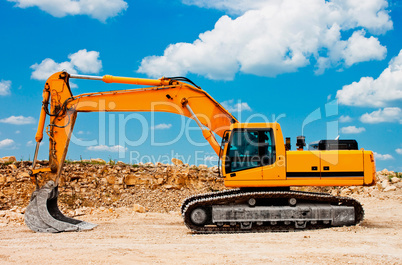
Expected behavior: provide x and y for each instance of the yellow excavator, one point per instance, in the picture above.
(254, 160)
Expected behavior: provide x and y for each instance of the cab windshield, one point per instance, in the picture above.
(249, 148)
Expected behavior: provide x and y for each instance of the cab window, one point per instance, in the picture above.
(250, 148)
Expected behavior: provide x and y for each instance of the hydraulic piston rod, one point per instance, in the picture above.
(205, 132)
(125, 80)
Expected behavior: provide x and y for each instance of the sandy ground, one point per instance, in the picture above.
(126, 237)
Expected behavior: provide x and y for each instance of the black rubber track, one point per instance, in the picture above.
(231, 196)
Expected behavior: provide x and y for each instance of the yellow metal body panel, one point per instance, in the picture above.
(341, 161)
(303, 161)
(369, 168)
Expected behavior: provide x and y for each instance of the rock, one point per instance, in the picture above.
(111, 180)
(202, 167)
(395, 180)
(10, 179)
(8, 159)
(138, 179)
(384, 184)
(23, 175)
(160, 181)
(355, 189)
(177, 162)
(139, 208)
(384, 172)
(345, 192)
(149, 164)
(390, 188)
(12, 166)
(381, 178)
(79, 212)
(3, 179)
(391, 174)
(98, 160)
(379, 186)
(215, 169)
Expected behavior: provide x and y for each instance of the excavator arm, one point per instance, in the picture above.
(165, 95)
(174, 95)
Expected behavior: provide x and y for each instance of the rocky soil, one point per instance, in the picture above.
(159, 188)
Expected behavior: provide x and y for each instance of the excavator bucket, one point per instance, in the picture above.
(43, 215)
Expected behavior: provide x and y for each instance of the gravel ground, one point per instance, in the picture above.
(127, 237)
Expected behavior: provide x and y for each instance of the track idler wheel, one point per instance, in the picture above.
(43, 215)
(199, 216)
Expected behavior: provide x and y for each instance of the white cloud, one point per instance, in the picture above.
(383, 157)
(275, 37)
(98, 9)
(18, 120)
(113, 149)
(84, 61)
(352, 130)
(345, 119)
(398, 151)
(238, 107)
(383, 115)
(48, 67)
(232, 6)
(361, 49)
(17, 132)
(370, 14)
(6, 143)
(375, 92)
(162, 126)
(5, 86)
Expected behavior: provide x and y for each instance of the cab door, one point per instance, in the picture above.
(273, 153)
(242, 160)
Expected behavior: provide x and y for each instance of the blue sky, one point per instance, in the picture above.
(321, 68)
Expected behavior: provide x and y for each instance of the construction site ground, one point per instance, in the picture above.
(128, 237)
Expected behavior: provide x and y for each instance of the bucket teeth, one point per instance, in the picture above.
(43, 215)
